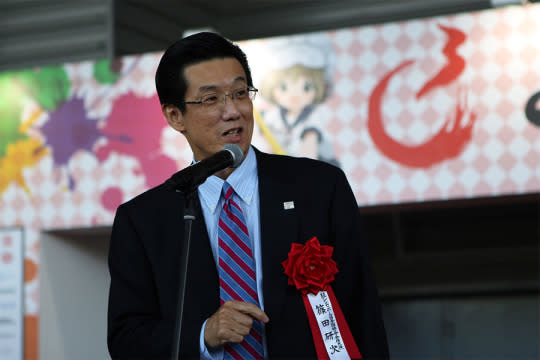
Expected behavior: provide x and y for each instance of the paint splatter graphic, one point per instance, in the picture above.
(107, 71)
(69, 130)
(48, 86)
(17, 149)
(11, 106)
(134, 128)
(20, 154)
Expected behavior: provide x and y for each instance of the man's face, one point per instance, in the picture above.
(207, 130)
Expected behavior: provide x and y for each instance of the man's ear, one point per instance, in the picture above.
(174, 117)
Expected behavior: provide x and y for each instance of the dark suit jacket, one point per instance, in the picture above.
(146, 247)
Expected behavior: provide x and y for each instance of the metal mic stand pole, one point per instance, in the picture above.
(189, 216)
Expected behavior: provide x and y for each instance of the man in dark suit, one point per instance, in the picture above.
(206, 91)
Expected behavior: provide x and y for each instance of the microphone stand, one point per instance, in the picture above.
(189, 216)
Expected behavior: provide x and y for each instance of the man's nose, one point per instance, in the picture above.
(224, 99)
(230, 107)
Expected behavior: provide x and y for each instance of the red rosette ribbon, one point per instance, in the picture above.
(310, 268)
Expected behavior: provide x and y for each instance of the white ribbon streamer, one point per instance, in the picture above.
(328, 326)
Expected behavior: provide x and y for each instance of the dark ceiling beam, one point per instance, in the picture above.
(50, 32)
(137, 26)
(319, 16)
(143, 26)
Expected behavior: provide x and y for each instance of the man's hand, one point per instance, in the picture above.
(231, 323)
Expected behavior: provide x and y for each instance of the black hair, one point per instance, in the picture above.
(170, 80)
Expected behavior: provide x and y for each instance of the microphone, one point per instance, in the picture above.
(187, 179)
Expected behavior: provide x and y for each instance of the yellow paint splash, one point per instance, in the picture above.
(21, 154)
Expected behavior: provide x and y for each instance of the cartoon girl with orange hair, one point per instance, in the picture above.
(296, 81)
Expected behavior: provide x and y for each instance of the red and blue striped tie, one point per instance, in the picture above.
(237, 273)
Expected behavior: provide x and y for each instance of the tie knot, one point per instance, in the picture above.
(228, 191)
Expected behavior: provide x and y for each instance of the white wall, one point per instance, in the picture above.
(74, 285)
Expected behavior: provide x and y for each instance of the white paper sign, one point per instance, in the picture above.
(11, 294)
(326, 319)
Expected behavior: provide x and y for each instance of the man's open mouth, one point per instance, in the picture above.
(232, 132)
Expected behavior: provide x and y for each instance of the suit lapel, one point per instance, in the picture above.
(279, 228)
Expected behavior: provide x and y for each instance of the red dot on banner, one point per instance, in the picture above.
(7, 258)
(7, 241)
(30, 270)
(111, 198)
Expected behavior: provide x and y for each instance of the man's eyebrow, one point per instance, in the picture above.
(206, 88)
(240, 78)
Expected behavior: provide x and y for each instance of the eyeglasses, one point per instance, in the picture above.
(215, 99)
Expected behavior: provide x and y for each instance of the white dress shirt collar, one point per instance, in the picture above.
(243, 180)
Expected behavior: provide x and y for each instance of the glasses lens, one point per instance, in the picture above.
(210, 99)
(251, 93)
(241, 94)
(238, 95)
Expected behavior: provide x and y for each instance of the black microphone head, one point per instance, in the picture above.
(236, 152)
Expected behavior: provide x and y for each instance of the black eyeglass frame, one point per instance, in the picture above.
(249, 89)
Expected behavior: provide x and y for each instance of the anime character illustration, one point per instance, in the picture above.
(295, 79)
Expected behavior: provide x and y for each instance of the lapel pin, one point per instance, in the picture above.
(287, 205)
